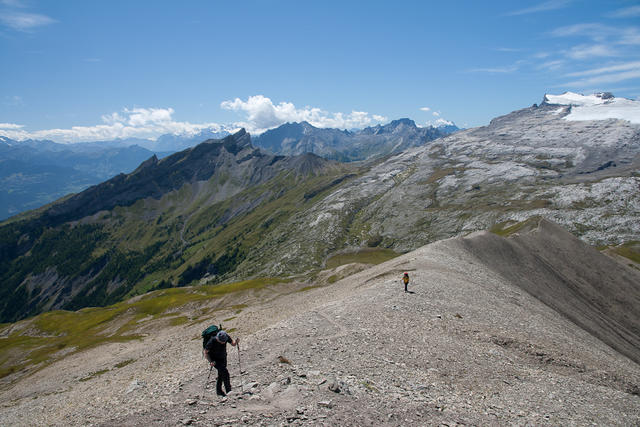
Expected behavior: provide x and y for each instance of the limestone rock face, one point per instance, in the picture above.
(581, 174)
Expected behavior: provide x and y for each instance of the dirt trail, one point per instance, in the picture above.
(468, 347)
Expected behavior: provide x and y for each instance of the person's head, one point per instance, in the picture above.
(406, 274)
(222, 337)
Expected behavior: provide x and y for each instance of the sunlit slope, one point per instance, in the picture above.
(170, 223)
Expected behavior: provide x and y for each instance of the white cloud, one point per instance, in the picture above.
(591, 51)
(628, 12)
(129, 123)
(10, 126)
(552, 65)
(592, 30)
(436, 114)
(13, 3)
(630, 36)
(606, 79)
(149, 123)
(425, 109)
(26, 22)
(603, 41)
(635, 65)
(263, 114)
(600, 33)
(497, 70)
(443, 122)
(542, 7)
(605, 75)
(440, 122)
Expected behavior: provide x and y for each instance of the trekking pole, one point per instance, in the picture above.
(240, 367)
(208, 376)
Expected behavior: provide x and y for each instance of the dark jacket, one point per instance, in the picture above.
(215, 348)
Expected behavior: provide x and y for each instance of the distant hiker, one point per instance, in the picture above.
(405, 279)
(216, 352)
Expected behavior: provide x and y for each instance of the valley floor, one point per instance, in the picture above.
(465, 347)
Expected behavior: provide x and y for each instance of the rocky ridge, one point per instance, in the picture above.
(468, 346)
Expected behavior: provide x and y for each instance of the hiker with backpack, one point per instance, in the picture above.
(215, 350)
(405, 279)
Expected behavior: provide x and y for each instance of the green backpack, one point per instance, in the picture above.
(210, 332)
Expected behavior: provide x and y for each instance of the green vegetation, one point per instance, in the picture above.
(94, 374)
(369, 386)
(629, 250)
(55, 334)
(177, 321)
(364, 256)
(124, 363)
(149, 245)
(308, 288)
(441, 173)
(104, 371)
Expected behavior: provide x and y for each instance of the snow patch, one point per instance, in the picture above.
(598, 106)
(570, 98)
(623, 109)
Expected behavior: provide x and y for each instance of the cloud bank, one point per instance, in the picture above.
(147, 123)
(262, 114)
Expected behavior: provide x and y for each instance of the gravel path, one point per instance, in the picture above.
(465, 348)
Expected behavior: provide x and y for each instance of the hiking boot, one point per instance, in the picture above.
(220, 393)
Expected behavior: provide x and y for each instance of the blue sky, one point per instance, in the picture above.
(91, 70)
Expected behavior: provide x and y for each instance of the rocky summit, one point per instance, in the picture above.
(469, 344)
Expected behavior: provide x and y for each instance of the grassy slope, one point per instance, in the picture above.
(151, 244)
(34, 343)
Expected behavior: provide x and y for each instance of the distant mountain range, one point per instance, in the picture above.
(371, 142)
(36, 172)
(33, 173)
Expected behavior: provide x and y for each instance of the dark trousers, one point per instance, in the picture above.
(223, 373)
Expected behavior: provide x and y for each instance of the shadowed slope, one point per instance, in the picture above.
(591, 289)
